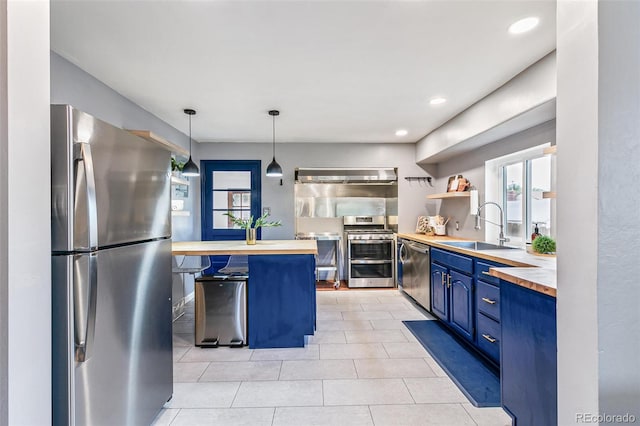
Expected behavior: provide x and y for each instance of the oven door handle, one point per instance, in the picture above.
(382, 241)
(369, 262)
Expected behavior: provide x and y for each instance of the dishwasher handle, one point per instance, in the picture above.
(401, 252)
(420, 248)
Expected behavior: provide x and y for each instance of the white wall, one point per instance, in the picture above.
(618, 224)
(412, 197)
(26, 253)
(4, 225)
(517, 105)
(598, 150)
(472, 166)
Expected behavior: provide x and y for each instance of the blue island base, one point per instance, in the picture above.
(281, 300)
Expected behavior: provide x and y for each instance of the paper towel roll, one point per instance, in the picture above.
(473, 202)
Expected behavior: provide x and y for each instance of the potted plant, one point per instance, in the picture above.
(176, 167)
(544, 245)
(513, 190)
(250, 226)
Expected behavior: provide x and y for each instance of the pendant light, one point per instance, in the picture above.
(190, 169)
(274, 169)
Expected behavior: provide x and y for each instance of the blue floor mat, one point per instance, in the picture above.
(479, 382)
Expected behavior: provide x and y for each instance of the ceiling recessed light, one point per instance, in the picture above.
(524, 25)
(401, 132)
(437, 101)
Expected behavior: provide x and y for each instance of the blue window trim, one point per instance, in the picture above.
(207, 168)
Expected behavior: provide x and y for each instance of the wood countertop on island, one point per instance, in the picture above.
(199, 248)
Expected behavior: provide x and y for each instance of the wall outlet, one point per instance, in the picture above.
(266, 210)
(177, 205)
(457, 225)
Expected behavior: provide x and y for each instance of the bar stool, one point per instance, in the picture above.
(191, 265)
(236, 265)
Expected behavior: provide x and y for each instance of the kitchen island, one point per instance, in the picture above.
(281, 296)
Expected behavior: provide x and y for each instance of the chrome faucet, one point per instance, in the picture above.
(501, 237)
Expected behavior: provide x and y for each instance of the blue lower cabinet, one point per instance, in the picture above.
(452, 297)
(461, 305)
(439, 293)
(281, 300)
(489, 336)
(528, 365)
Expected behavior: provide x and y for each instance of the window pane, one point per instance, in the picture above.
(540, 182)
(220, 199)
(231, 199)
(232, 180)
(221, 221)
(240, 199)
(514, 202)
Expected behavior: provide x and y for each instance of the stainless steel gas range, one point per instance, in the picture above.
(370, 251)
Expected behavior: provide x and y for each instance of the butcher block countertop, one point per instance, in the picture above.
(529, 270)
(541, 280)
(190, 248)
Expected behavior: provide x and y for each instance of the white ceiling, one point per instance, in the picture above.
(339, 71)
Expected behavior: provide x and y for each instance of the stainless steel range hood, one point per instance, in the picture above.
(346, 175)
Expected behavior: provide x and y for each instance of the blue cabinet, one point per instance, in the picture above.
(452, 291)
(281, 300)
(529, 355)
(439, 293)
(461, 293)
(488, 327)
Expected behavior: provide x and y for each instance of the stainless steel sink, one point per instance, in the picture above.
(476, 245)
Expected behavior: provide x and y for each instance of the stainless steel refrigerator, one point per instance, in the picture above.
(111, 262)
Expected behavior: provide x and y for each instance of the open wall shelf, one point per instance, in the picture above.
(152, 137)
(176, 180)
(461, 194)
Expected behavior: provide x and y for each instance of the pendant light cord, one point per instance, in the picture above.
(274, 136)
(189, 135)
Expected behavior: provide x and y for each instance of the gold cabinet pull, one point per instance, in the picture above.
(489, 301)
(448, 280)
(489, 338)
(486, 273)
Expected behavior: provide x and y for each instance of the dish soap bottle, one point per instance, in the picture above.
(536, 232)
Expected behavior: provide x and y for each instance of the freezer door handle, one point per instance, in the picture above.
(82, 153)
(85, 281)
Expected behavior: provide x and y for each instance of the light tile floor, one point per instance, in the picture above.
(362, 367)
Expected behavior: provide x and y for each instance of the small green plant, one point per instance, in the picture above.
(514, 187)
(544, 244)
(176, 166)
(248, 223)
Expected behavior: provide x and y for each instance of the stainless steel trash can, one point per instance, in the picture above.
(221, 311)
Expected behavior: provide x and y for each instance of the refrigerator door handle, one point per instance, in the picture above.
(82, 152)
(85, 281)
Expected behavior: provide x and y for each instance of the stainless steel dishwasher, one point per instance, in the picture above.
(416, 276)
